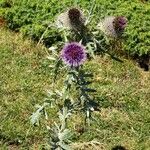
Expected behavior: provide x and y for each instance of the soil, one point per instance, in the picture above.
(143, 61)
(2, 22)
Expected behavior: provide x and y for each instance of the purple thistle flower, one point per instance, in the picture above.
(73, 54)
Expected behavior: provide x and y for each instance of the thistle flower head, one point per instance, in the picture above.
(73, 54)
(71, 19)
(113, 26)
(74, 14)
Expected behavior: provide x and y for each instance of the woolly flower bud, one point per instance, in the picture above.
(113, 26)
(72, 19)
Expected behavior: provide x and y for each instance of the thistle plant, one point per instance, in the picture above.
(76, 95)
(71, 58)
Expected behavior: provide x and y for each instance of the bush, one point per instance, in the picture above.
(32, 18)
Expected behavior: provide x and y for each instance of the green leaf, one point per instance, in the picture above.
(34, 118)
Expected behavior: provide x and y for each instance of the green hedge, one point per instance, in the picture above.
(32, 17)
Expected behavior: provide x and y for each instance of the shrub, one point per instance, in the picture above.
(32, 18)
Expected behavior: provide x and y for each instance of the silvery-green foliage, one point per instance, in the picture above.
(53, 97)
(35, 117)
(55, 61)
(59, 139)
(65, 112)
(59, 134)
(50, 101)
(91, 47)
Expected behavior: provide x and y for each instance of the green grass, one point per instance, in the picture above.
(24, 76)
(123, 92)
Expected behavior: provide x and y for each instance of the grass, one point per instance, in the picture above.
(123, 92)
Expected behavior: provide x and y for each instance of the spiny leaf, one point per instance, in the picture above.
(89, 90)
(85, 83)
(57, 66)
